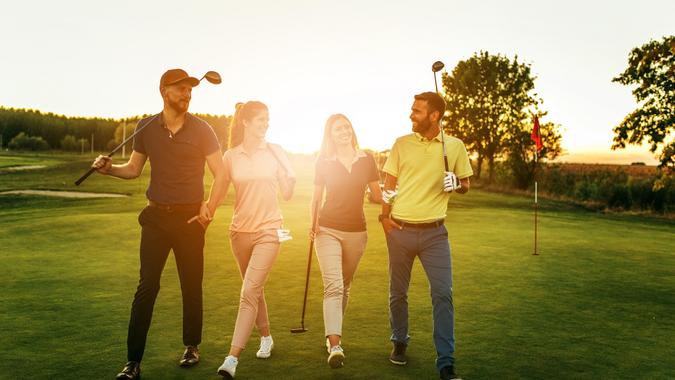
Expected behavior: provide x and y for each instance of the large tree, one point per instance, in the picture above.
(487, 95)
(651, 67)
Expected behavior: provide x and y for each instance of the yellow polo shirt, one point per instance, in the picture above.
(418, 164)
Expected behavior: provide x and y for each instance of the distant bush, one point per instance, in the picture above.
(25, 142)
(633, 187)
(69, 142)
(72, 144)
(614, 187)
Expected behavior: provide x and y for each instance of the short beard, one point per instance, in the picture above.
(422, 127)
(178, 107)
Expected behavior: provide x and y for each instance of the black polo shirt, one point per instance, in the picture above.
(343, 208)
(177, 161)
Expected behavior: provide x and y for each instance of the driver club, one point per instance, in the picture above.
(436, 67)
(211, 77)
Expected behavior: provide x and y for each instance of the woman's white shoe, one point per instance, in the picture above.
(337, 357)
(266, 346)
(229, 367)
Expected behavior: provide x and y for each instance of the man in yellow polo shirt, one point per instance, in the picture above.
(413, 222)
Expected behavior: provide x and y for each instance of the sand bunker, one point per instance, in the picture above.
(63, 194)
(23, 167)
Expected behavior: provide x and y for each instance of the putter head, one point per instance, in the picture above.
(437, 66)
(213, 77)
(298, 330)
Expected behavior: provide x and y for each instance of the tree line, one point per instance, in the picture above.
(27, 129)
(492, 103)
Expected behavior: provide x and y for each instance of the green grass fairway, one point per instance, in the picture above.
(598, 303)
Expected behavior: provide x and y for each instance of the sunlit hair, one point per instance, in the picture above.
(328, 145)
(243, 111)
(435, 102)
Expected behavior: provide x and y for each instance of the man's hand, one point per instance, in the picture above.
(198, 220)
(450, 182)
(388, 225)
(204, 218)
(102, 164)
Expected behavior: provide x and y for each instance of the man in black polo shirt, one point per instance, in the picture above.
(177, 145)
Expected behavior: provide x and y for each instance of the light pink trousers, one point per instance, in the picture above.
(255, 253)
(339, 253)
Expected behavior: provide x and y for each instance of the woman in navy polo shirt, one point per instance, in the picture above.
(343, 171)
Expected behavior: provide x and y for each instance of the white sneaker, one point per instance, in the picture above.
(266, 345)
(229, 367)
(337, 357)
(328, 345)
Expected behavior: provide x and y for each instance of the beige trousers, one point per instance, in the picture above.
(339, 253)
(255, 253)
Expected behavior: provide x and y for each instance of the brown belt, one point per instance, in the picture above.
(434, 224)
(194, 207)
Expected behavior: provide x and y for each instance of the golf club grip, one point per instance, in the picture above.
(87, 174)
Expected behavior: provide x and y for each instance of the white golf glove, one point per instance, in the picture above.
(388, 196)
(284, 235)
(450, 182)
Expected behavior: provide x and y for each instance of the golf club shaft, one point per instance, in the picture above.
(92, 170)
(445, 153)
(309, 267)
(315, 215)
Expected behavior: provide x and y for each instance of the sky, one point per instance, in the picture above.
(309, 59)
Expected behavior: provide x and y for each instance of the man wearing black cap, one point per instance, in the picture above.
(177, 145)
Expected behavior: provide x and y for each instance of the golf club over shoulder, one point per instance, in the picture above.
(436, 67)
(211, 76)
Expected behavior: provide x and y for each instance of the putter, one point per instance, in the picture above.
(211, 76)
(302, 328)
(436, 67)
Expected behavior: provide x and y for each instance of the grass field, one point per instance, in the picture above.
(598, 303)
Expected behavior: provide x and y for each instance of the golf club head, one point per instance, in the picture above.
(437, 66)
(212, 77)
(298, 330)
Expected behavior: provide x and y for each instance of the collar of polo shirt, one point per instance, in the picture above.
(420, 137)
(240, 148)
(186, 123)
(359, 154)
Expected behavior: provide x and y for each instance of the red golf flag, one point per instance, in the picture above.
(536, 136)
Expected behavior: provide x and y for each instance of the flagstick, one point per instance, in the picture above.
(536, 204)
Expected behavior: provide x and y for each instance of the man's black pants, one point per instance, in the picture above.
(162, 231)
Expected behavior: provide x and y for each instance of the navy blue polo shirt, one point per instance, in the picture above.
(176, 160)
(343, 207)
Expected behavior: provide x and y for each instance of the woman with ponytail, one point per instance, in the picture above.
(257, 169)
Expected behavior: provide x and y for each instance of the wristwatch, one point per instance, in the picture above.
(382, 217)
